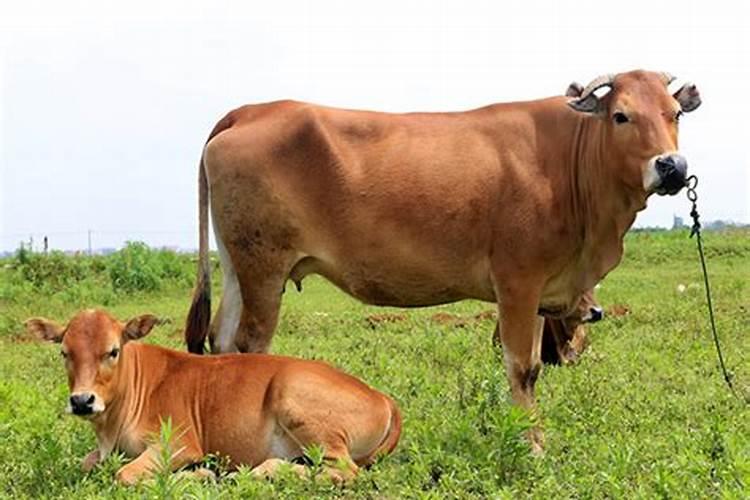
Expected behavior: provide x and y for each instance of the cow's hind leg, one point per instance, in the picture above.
(521, 336)
(246, 319)
(227, 319)
(260, 315)
(254, 277)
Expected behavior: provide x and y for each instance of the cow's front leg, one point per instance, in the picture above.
(520, 330)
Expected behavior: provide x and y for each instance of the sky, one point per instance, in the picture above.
(105, 106)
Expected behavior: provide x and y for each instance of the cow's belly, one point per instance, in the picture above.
(392, 282)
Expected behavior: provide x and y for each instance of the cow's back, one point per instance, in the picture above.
(394, 208)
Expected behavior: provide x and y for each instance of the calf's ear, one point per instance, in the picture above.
(45, 329)
(139, 327)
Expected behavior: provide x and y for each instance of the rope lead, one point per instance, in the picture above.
(692, 195)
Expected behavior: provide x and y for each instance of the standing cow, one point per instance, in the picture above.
(523, 204)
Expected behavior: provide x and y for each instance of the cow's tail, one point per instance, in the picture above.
(199, 316)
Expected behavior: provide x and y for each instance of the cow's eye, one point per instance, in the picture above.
(114, 352)
(620, 118)
(678, 115)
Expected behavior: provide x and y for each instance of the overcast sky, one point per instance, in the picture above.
(105, 108)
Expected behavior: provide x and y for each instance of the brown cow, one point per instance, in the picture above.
(523, 204)
(254, 409)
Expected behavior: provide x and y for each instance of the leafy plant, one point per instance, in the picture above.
(165, 483)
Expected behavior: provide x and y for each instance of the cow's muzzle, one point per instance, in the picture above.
(594, 314)
(672, 172)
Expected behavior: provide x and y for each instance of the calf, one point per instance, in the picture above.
(254, 409)
(564, 339)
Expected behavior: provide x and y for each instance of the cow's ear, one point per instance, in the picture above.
(574, 90)
(139, 327)
(590, 104)
(586, 100)
(45, 329)
(688, 97)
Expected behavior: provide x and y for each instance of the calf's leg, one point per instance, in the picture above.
(269, 468)
(146, 464)
(91, 460)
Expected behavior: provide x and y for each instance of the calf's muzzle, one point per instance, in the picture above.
(596, 313)
(82, 403)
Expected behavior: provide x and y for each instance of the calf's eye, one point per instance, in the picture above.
(114, 352)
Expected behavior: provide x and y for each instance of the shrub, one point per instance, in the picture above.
(54, 271)
(139, 268)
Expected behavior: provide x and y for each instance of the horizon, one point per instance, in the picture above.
(35, 244)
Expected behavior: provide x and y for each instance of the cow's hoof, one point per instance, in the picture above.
(537, 450)
(570, 357)
(536, 441)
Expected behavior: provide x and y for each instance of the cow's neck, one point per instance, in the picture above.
(115, 427)
(601, 209)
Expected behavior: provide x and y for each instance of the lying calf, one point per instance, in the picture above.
(255, 409)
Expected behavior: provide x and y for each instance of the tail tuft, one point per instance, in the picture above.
(199, 318)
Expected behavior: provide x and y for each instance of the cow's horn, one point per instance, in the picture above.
(597, 83)
(588, 102)
(667, 78)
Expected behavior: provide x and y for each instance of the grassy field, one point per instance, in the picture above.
(644, 414)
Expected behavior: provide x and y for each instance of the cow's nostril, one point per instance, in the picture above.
(665, 163)
(669, 163)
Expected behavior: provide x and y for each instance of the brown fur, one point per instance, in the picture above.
(253, 409)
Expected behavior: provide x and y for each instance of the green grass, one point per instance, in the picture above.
(644, 414)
